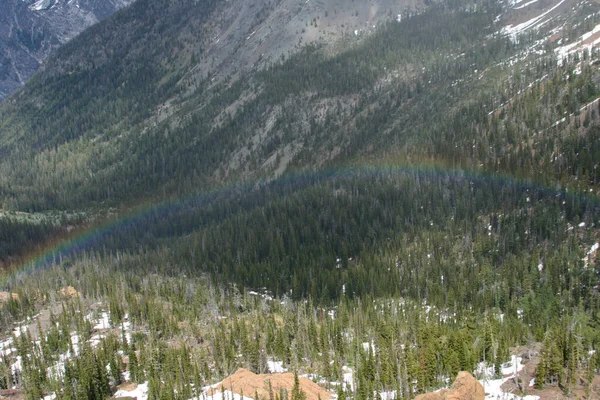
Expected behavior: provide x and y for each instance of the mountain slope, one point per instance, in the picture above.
(120, 90)
(145, 105)
(109, 126)
(378, 209)
(30, 30)
(104, 122)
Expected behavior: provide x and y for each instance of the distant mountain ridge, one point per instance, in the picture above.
(30, 30)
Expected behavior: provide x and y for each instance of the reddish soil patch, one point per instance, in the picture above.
(465, 387)
(68, 291)
(248, 383)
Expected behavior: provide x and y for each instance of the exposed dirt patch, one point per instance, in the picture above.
(5, 296)
(524, 385)
(465, 387)
(249, 383)
(11, 394)
(69, 291)
(128, 387)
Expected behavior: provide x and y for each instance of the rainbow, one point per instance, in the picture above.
(78, 240)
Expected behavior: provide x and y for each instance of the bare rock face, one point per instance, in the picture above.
(465, 387)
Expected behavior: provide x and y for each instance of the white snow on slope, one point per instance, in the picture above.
(126, 326)
(493, 386)
(515, 30)
(57, 368)
(103, 322)
(348, 376)
(369, 346)
(19, 330)
(578, 46)
(140, 392)
(387, 395)
(591, 251)
(276, 367)
(514, 2)
(17, 366)
(526, 4)
(264, 295)
(42, 5)
(6, 347)
(219, 395)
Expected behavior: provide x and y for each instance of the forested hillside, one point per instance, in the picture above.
(375, 210)
(31, 29)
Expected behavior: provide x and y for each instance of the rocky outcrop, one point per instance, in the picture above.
(68, 291)
(465, 387)
(249, 384)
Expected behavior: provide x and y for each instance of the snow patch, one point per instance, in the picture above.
(369, 347)
(493, 386)
(526, 4)
(17, 366)
(103, 322)
(388, 395)
(276, 367)
(41, 5)
(589, 253)
(140, 392)
(515, 30)
(218, 395)
(348, 377)
(578, 46)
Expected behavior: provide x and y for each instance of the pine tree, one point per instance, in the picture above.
(540, 374)
(297, 392)
(135, 372)
(270, 390)
(115, 370)
(341, 394)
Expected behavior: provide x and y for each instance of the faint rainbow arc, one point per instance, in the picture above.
(88, 235)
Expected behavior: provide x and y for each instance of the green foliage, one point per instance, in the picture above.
(433, 269)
